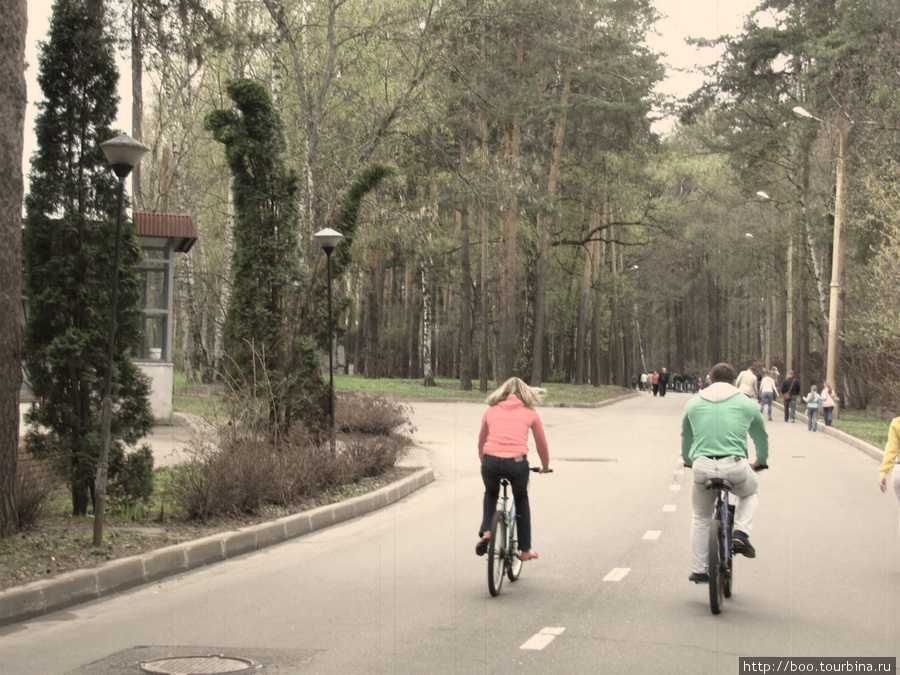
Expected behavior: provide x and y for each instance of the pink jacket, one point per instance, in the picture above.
(504, 431)
(827, 399)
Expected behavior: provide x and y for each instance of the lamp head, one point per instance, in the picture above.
(328, 239)
(123, 153)
(800, 111)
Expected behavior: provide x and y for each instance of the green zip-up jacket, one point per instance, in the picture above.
(716, 424)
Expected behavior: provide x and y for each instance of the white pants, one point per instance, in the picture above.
(896, 481)
(746, 488)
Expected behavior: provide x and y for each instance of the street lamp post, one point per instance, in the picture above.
(329, 239)
(123, 153)
(836, 297)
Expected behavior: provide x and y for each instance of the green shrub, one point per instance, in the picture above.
(132, 482)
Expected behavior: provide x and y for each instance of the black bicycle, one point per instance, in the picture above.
(721, 548)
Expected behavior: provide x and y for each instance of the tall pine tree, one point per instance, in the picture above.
(68, 253)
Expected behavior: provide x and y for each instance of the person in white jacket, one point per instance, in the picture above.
(768, 392)
(748, 384)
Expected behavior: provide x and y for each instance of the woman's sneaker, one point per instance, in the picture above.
(482, 546)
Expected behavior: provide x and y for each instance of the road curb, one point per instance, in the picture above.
(43, 597)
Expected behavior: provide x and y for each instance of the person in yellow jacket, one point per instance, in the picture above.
(891, 452)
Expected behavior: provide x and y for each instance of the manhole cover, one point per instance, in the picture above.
(198, 665)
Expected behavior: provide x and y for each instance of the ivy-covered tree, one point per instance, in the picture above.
(266, 275)
(68, 254)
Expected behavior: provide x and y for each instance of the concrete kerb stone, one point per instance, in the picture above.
(120, 575)
(42, 597)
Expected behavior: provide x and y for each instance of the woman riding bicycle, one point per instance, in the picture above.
(503, 450)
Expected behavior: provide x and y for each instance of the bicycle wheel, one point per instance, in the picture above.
(514, 567)
(716, 567)
(729, 554)
(496, 553)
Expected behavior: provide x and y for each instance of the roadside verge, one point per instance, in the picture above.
(43, 597)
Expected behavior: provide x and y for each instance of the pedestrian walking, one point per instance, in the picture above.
(827, 404)
(767, 392)
(654, 382)
(663, 382)
(891, 452)
(748, 384)
(813, 400)
(790, 390)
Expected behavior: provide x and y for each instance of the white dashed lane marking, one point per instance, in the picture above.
(669, 508)
(675, 487)
(542, 639)
(617, 574)
(652, 534)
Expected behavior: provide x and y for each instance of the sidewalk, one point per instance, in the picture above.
(170, 445)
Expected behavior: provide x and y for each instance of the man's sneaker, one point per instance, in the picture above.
(482, 546)
(740, 542)
(699, 578)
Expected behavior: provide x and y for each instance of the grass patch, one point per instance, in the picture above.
(863, 425)
(198, 399)
(449, 389)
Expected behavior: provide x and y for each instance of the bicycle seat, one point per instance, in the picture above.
(718, 484)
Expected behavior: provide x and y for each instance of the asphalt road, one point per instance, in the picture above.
(401, 590)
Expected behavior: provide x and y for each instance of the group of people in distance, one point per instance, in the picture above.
(714, 431)
(763, 387)
(660, 381)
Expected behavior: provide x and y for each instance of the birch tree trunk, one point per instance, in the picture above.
(137, 95)
(427, 326)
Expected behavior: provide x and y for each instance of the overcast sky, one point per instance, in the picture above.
(682, 19)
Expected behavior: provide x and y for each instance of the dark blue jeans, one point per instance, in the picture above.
(492, 470)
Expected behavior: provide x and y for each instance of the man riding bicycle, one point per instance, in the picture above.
(714, 444)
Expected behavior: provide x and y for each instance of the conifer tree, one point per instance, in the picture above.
(265, 267)
(68, 255)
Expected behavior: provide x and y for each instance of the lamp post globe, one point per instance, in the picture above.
(123, 153)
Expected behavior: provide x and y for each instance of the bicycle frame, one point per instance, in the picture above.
(509, 512)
